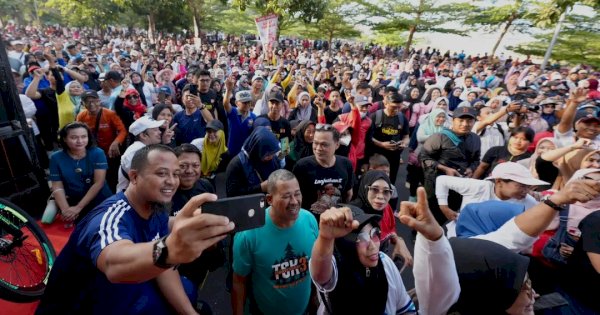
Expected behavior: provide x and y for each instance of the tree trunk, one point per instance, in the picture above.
(413, 29)
(507, 26)
(196, 17)
(151, 28)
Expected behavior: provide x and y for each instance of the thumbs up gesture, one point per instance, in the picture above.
(194, 231)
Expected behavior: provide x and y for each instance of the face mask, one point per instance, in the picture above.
(363, 115)
(345, 140)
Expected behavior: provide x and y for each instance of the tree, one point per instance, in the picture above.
(152, 9)
(95, 13)
(333, 24)
(425, 16)
(512, 16)
(547, 13)
(289, 11)
(579, 42)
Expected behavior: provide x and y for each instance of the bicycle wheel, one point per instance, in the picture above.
(26, 255)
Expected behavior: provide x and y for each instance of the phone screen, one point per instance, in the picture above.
(285, 144)
(161, 97)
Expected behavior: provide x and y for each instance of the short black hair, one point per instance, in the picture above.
(378, 160)
(140, 158)
(529, 133)
(188, 148)
(159, 108)
(330, 129)
(62, 134)
(363, 86)
(202, 72)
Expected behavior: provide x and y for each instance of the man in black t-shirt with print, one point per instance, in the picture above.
(210, 98)
(324, 175)
(279, 125)
(389, 132)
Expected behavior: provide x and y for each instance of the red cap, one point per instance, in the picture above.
(33, 68)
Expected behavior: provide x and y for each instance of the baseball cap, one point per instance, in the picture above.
(515, 172)
(102, 77)
(214, 124)
(549, 101)
(587, 114)
(164, 89)
(465, 112)
(256, 77)
(89, 93)
(340, 126)
(362, 218)
(70, 45)
(144, 123)
(17, 42)
(243, 96)
(361, 100)
(582, 71)
(275, 96)
(113, 75)
(33, 68)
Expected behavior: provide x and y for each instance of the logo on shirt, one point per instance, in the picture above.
(390, 131)
(290, 270)
(156, 237)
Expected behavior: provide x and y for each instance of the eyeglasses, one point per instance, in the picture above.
(131, 97)
(325, 127)
(364, 238)
(376, 190)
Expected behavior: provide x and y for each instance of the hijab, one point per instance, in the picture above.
(428, 123)
(578, 211)
(261, 143)
(490, 275)
(76, 100)
(303, 113)
(388, 222)
(453, 101)
(138, 110)
(211, 157)
(354, 283)
(139, 87)
(569, 164)
(299, 147)
(530, 162)
(485, 217)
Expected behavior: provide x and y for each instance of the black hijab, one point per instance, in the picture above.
(490, 275)
(362, 199)
(139, 87)
(358, 291)
(300, 147)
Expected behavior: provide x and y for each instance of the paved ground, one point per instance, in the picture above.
(214, 292)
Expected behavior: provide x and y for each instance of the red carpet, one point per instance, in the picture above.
(58, 235)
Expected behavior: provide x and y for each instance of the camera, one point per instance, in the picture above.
(532, 107)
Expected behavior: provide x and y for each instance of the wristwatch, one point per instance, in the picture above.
(160, 252)
(551, 204)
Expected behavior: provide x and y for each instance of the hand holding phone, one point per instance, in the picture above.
(247, 212)
(194, 89)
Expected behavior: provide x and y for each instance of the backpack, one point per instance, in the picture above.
(379, 118)
(551, 250)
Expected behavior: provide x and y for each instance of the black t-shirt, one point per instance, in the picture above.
(281, 128)
(214, 103)
(500, 154)
(330, 115)
(316, 180)
(181, 196)
(392, 128)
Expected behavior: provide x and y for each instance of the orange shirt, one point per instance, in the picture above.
(110, 128)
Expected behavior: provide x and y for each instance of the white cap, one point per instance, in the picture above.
(515, 172)
(144, 123)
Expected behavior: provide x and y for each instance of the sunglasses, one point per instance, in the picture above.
(364, 238)
(376, 190)
(325, 127)
(131, 97)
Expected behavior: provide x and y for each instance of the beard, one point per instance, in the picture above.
(158, 207)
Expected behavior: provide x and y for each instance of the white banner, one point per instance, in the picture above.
(267, 29)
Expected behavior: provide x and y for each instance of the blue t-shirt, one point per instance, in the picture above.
(77, 286)
(239, 130)
(277, 260)
(77, 176)
(189, 127)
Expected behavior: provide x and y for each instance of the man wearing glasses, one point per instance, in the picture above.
(240, 118)
(319, 172)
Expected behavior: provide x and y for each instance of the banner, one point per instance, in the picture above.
(267, 29)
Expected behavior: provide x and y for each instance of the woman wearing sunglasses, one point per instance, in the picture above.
(354, 277)
(374, 194)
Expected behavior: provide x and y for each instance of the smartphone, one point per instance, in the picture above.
(194, 89)
(247, 212)
(161, 97)
(285, 144)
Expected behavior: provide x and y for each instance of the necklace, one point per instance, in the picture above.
(77, 159)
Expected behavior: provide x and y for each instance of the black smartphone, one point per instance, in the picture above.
(194, 89)
(247, 212)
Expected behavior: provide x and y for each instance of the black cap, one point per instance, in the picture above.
(215, 124)
(396, 98)
(113, 75)
(275, 96)
(586, 114)
(71, 45)
(363, 219)
(89, 93)
(465, 111)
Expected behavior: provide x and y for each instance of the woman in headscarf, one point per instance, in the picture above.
(129, 106)
(353, 277)
(557, 166)
(69, 102)
(304, 110)
(454, 98)
(144, 89)
(374, 194)
(412, 103)
(301, 146)
(247, 173)
(543, 145)
(493, 279)
(215, 156)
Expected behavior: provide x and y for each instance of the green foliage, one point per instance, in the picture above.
(289, 11)
(548, 12)
(85, 12)
(492, 17)
(334, 23)
(578, 42)
(393, 39)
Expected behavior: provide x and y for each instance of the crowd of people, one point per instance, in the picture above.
(502, 166)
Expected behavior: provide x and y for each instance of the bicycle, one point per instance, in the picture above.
(26, 255)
